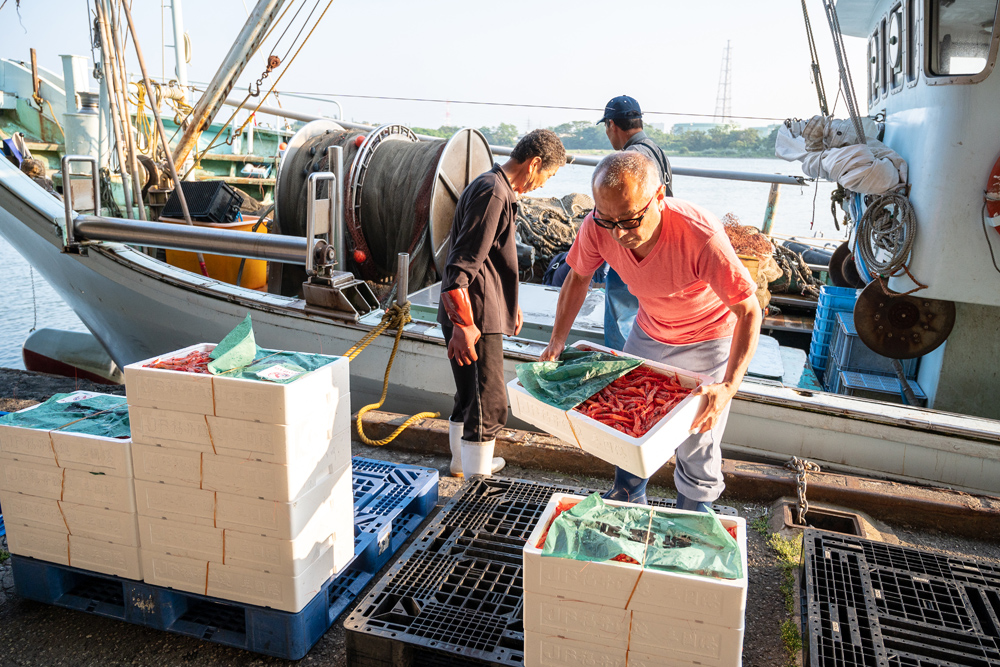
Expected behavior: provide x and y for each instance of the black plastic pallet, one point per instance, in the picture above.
(872, 604)
(455, 597)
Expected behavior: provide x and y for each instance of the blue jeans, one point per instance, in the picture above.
(620, 308)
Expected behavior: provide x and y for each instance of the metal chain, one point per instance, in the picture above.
(801, 467)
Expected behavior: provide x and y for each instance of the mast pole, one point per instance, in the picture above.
(222, 83)
(180, 45)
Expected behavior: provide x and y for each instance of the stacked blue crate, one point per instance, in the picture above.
(849, 354)
(832, 300)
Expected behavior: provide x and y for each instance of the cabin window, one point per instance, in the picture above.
(874, 66)
(960, 35)
(895, 47)
(910, 53)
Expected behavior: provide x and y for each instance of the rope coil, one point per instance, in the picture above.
(886, 232)
(396, 317)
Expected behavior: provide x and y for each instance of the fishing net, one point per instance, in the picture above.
(79, 412)
(550, 225)
(695, 544)
(578, 375)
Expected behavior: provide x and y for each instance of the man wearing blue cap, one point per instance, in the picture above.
(623, 124)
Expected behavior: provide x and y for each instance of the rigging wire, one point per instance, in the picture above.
(846, 81)
(814, 58)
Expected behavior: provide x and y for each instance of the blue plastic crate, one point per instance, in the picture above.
(384, 520)
(838, 299)
(878, 387)
(819, 350)
(822, 337)
(853, 355)
(824, 322)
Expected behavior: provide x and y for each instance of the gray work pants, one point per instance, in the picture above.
(698, 473)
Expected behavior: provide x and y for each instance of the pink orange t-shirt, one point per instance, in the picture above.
(685, 285)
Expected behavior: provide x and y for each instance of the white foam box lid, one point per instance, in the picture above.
(553, 651)
(170, 390)
(17, 441)
(320, 391)
(93, 453)
(177, 572)
(104, 557)
(169, 428)
(179, 503)
(177, 467)
(645, 455)
(686, 641)
(639, 659)
(550, 419)
(277, 591)
(279, 443)
(31, 476)
(550, 616)
(100, 524)
(98, 490)
(180, 538)
(22, 509)
(274, 481)
(285, 520)
(705, 599)
(49, 545)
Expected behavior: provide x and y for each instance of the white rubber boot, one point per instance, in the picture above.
(455, 441)
(477, 458)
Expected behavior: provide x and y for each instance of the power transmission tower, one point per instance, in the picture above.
(724, 99)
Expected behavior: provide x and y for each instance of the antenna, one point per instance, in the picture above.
(724, 100)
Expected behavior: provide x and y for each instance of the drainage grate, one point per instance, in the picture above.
(874, 604)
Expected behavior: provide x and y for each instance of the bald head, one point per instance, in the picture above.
(626, 173)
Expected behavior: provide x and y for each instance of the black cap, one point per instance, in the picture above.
(621, 108)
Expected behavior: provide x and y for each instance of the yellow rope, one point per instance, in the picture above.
(398, 317)
(51, 111)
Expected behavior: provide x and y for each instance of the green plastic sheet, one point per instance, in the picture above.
(101, 415)
(238, 355)
(656, 539)
(578, 375)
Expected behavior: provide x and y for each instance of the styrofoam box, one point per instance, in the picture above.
(638, 659)
(93, 453)
(273, 481)
(43, 480)
(276, 591)
(104, 557)
(183, 574)
(701, 643)
(17, 441)
(101, 524)
(177, 467)
(170, 390)
(717, 601)
(554, 617)
(38, 543)
(180, 538)
(169, 428)
(329, 528)
(318, 392)
(113, 493)
(550, 419)
(279, 443)
(548, 651)
(645, 455)
(285, 520)
(178, 503)
(32, 511)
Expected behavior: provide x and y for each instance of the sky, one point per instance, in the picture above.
(518, 53)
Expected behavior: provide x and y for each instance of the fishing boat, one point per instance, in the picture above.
(138, 305)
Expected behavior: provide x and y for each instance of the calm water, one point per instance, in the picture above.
(19, 308)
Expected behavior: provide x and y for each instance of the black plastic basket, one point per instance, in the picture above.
(208, 201)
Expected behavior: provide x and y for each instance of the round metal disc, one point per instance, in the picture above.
(285, 178)
(466, 155)
(836, 265)
(901, 327)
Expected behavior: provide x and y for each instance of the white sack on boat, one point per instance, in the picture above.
(827, 148)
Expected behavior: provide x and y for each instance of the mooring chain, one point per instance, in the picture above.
(801, 467)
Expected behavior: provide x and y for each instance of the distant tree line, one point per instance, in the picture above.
(728, 140)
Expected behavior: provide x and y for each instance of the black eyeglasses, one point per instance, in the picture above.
(630, 223)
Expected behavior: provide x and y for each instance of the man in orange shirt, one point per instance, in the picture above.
(697, 306)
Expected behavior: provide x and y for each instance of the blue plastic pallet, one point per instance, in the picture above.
(390, 503)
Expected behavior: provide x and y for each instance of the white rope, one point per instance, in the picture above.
(886, 233)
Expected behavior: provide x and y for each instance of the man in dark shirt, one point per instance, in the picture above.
(479, 296)
(623, 124)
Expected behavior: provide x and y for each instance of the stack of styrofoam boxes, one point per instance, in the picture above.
(68, 498)
(640, 456)
(612, 613)
(832, 300)
(243, 487)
